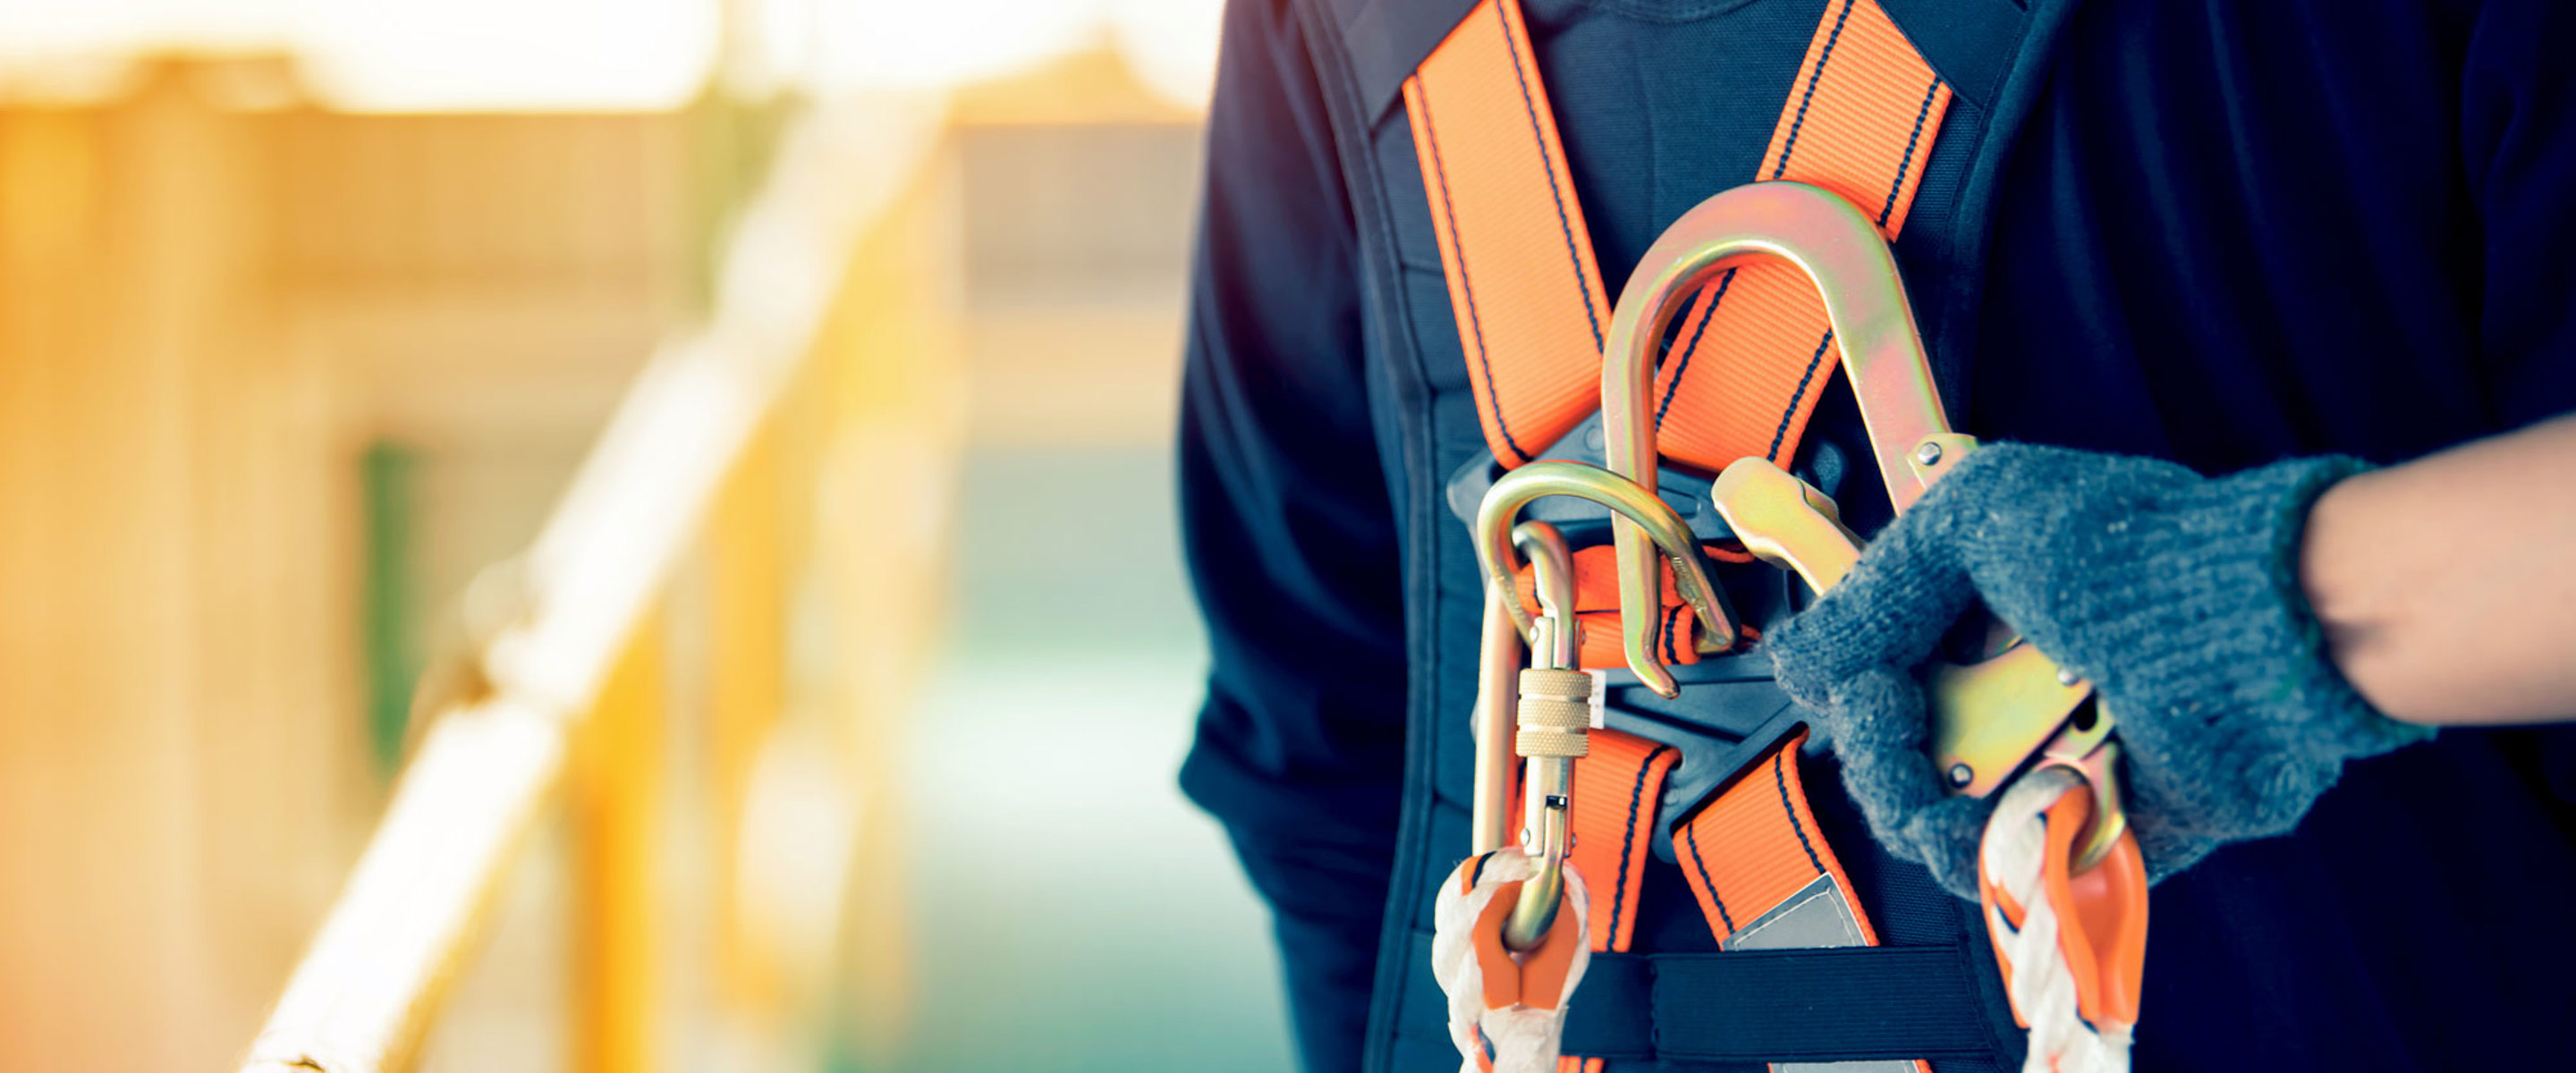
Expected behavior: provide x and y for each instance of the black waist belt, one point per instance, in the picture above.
(1827, 1005)
(1747, 1007)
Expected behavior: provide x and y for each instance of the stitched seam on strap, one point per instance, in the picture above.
(1805, 378)
(1906, 162)
(1782, 781)
(1466, 282)
(1692, 351)
(1690, 834)
(1800, 121)
(1564, 224)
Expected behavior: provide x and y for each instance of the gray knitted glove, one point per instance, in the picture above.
(2175, 594)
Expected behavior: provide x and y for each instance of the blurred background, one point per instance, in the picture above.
(310, 313)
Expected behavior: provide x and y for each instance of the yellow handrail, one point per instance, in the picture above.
(485, 769)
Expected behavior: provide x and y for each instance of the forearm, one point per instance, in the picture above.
(2447, 586)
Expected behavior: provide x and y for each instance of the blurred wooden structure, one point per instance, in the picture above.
(215, 299)
(211, 298)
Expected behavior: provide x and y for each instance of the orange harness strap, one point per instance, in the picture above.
(1613, 819)
(1762, 871)
(1596, 607)
(1755, 850)
(1754, 857)
(1522, 281)
(1859, 120)
(1616, 789)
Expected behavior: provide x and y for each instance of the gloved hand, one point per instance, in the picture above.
(2176, 595)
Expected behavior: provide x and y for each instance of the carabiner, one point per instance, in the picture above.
(1548, 785)
(1547, 701)
(1498, 682)
(1632, 503)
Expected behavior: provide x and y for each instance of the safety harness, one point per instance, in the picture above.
(1532, 311)
(1733, 394)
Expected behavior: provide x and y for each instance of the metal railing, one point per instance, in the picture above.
(483, 774)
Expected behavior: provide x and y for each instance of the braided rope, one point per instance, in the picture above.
(2012, 854)
(1516, 1038)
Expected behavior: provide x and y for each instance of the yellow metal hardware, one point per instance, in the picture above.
(1553, 641)
(1548, 786)
(1628, 501)
(1989, 718)
(1784, 522)
(1551, 562)
(1498, 679)
(2094, 756)
(1499, 664)
(1882, 352)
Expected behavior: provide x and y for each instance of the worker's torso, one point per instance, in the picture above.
(2220, 233)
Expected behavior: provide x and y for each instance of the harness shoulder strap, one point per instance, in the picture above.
(1859, 120)
(1522, 279)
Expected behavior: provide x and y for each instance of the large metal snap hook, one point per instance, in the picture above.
(1989, 718)
(1839, 249)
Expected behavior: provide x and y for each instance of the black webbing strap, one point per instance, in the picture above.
(1814, 1005)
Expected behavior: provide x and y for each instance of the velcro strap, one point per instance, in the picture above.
(1843, 1004)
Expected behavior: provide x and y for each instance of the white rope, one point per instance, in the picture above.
(1516, 1038)
(2012, 854)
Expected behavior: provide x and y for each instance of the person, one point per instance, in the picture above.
(2176, 245)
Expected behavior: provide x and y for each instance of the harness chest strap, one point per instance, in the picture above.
(1531, 309)
(1859, 120)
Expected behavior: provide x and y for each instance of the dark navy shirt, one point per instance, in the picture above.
(2228, 231)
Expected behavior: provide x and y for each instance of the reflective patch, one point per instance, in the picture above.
(1815, 916)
